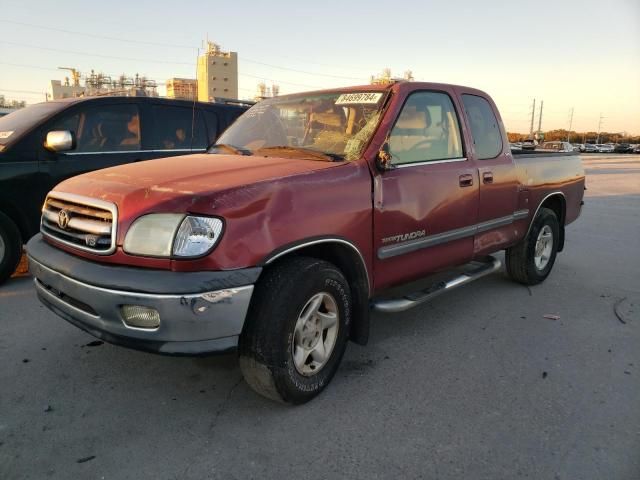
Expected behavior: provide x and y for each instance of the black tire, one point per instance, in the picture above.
(10, 247)
(266, 346)
(520, 259)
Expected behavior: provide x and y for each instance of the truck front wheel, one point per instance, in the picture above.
(296, 331)
(10, 247)
(530, 261)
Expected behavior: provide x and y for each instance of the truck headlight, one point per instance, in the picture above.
(172, 234)
(197, 236)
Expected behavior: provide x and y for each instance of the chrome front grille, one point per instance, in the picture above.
(81, 222)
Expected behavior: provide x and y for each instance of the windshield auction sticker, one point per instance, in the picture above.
(5, 134)
(364, 97)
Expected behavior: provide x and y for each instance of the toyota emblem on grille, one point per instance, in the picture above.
(63, 219)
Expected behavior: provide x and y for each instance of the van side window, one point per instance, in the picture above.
(213, 128)
(110, 128)
(69, 122)
(172, 128)
(485, 129)
(426, 130)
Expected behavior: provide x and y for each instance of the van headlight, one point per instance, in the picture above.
(173, 234)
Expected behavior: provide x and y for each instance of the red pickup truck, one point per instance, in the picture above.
(279, 241)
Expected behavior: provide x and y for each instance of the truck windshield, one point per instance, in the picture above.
(12, 126)
(336, 125)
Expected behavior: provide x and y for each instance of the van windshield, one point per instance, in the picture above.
(336, 125)
(12, 126)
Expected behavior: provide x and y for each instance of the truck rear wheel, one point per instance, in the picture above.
(296, 331)
(530, 261)
(10, 247)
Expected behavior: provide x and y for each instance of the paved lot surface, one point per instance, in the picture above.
(476, 384)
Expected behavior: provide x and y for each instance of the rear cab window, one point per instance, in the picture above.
(484, 125)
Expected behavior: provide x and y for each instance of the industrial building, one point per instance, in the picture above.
(182, 88)
(217, 74)
(101, 84)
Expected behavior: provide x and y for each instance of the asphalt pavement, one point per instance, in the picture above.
(476, 384)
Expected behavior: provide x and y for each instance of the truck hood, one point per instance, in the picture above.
(182, 184)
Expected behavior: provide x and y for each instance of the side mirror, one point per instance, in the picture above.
(383, 158)
(60, 141)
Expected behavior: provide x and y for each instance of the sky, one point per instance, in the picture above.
(581, 55)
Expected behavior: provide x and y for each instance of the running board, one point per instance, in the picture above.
(489, 265)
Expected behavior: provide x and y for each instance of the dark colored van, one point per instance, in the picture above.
(45, 143)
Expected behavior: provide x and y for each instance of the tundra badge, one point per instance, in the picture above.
(403, 237)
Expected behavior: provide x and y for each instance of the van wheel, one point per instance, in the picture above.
(530, 261)
(296, 330)
(10, 247)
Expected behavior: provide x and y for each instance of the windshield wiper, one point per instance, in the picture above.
(334, 157)
(232, 148)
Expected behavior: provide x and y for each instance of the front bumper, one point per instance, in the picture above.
(200, 312)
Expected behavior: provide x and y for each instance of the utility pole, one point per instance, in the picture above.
(600, 126)
(533, 113)
(570, 124)
(540, 118)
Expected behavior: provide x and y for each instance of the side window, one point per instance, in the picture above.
(484, 127)
(172, 128)
(67, 122)
(426, 130)
(103, 129)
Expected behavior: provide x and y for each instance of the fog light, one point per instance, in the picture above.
(138, 316)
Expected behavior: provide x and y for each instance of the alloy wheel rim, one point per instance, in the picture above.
(315, 334)
(544, 246)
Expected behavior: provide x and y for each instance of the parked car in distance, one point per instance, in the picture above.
(529, 145)
(557, 146)
(45, 143)
(590, 148)
(604, 148)
(578, 147)
(623, 148)
(635, 149)
(310, 208)
(515, 146)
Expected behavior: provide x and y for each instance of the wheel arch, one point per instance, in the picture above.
(556, 202)
(348, 258)
(19, 219)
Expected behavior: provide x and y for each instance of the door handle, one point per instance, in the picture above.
(466, 180)
(487, 177)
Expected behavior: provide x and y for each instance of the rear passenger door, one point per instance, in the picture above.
(172, 133)
(499, 188)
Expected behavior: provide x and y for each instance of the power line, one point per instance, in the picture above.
(34, 67)
(21, 91)
(112, 57)
(92, 35)
(163, 62)
(259, 77)
(142, 42)
(300, 71)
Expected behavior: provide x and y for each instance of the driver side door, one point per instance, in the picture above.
(426, 206)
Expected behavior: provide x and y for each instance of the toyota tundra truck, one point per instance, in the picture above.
(311, 210)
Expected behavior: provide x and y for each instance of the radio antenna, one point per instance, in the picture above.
(195, 97)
